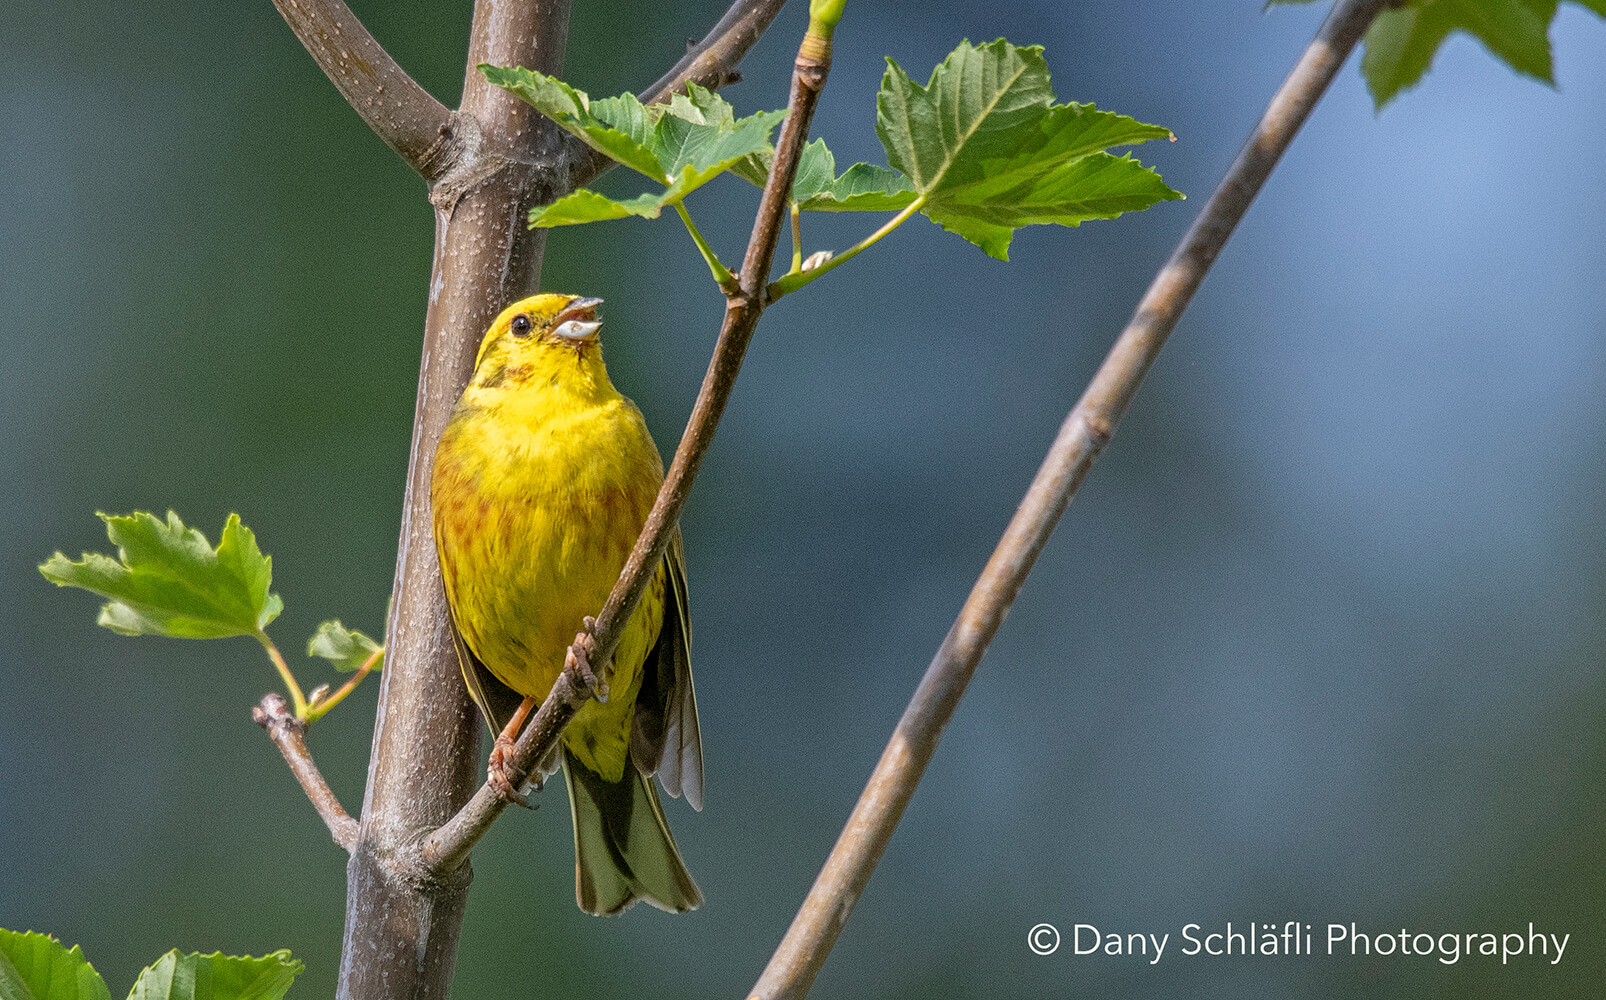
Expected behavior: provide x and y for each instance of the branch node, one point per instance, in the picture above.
(460, 162)
(1099, 429)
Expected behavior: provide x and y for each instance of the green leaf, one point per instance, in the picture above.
(1401, 43)
(861, 188)
(692, 154)
(701, 106)
(347, 650)
(705, 107)
(167, 580)
(39, 967)
(618, 127)
(707, 150)
(585, 205)
(682, 145)
(176, 976)
(985, 147)
(1099, 186)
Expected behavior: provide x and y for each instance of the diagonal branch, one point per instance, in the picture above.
(399, 111)
(1083, 435)
(711, 62)
(289, 734)
(449, 846)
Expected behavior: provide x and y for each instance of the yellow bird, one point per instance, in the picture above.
(543, 478)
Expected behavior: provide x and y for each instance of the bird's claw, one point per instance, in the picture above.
(578, 661)
(497, 776)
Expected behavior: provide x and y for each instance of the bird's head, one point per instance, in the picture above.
(533, 329)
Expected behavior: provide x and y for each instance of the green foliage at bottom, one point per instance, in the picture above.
(39, 967)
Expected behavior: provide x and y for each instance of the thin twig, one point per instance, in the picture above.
(289, 734)
(400, 112)
(1084, 433)
(711, 62)
(449, 846)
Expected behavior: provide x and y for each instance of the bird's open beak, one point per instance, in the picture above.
(578, 321)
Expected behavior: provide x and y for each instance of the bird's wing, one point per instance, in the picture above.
(665, 738)
(496, 701)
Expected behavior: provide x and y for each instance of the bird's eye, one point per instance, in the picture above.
(521, 325)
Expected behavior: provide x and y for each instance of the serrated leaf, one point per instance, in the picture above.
(973, 107)
(618, 127)
(710, 149)
(1098, 186)
(701, 105)
(167, 580)
(693, 154)
(177, 976)
(682, 145)
(863, 187)
(585, 205)
(988, 151)
(39, 967)
(348, 650)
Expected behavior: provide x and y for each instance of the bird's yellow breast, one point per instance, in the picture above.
(542, 481)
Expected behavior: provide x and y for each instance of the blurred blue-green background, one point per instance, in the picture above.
(1320, 640)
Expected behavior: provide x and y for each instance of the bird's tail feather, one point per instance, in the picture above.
(623, 850)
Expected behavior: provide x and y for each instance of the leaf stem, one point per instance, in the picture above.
(318, 711)
(722, 275)
(296, 697)
(797, 239)
(792, 282)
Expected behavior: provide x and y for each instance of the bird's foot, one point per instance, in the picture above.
(578, 662)
(499, 775)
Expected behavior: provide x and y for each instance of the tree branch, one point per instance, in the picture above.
(402, 930)
(449, 847)
(711, 62)
(1082, 436)
(289, 734)
(400, 112)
